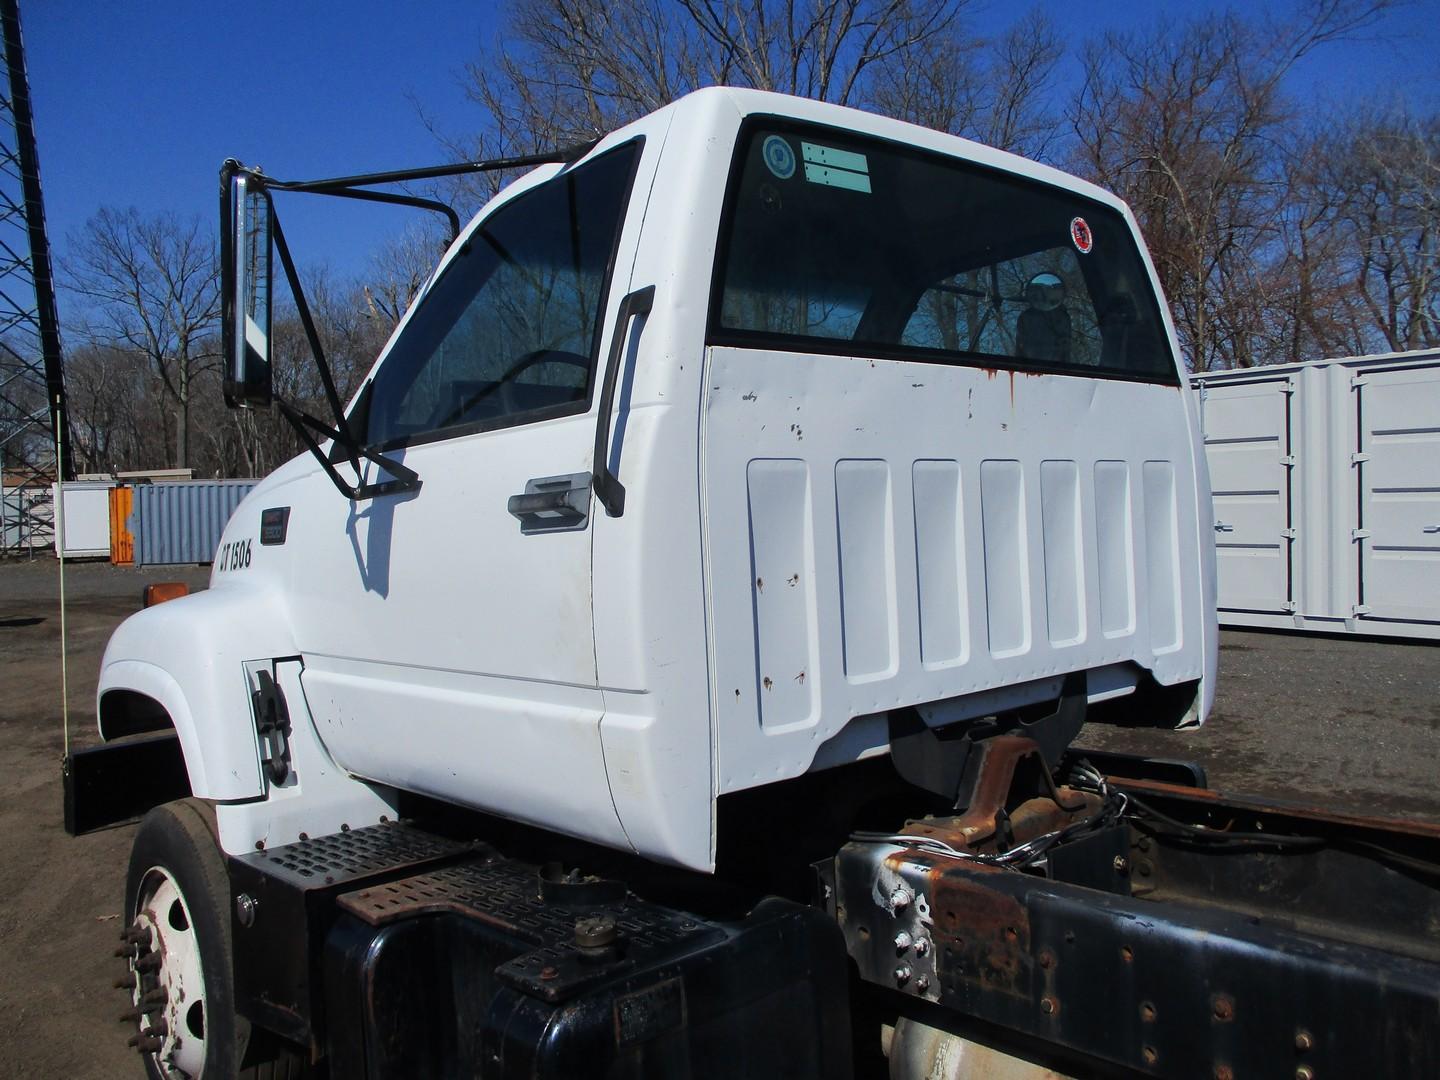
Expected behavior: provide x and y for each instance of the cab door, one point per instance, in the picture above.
(447, 632)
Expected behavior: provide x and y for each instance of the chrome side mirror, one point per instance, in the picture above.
(246, 259)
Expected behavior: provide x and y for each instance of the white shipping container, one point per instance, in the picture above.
(86, 525)
(1326, 482)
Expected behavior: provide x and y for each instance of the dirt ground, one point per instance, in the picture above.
(1342, 723)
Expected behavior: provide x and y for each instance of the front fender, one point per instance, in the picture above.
(187, 655)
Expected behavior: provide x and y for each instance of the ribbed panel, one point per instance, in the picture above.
(1064, 556)
(1162, 556)
(182, 522)
(1007, 562)
(1115, 547)
(781, 586)
(940, 563)
(864, 527)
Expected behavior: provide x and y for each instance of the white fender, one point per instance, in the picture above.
(188, 655)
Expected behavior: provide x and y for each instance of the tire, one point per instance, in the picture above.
(177, 906)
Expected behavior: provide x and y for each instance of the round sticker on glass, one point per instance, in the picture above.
(779, 158)
(1081, 236)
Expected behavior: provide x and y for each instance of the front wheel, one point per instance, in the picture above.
(177, 940)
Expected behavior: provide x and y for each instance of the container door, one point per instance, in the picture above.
(1398, 469)
(122, 542)
(1247, 444)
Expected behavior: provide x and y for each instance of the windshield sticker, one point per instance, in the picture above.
(779, 158)
(1080, 234)
(836, 168)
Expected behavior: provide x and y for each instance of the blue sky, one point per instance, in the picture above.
(138, 104)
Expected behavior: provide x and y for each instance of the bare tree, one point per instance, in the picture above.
(1384, 177)
(398, 268)
(109, 407)
(568, 71)
(1183, 123)
(997, 91)
(154, 286)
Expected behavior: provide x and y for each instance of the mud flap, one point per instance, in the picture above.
(118, 782)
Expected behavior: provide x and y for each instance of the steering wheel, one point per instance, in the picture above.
(502, 385)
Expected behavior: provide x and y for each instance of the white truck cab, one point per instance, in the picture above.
(667, 665)
(761, 424)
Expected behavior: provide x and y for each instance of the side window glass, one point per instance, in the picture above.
(509, 332)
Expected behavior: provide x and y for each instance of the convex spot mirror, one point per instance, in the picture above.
(246, 258)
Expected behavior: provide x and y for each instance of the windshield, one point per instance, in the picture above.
(841, 244)
(508, 334)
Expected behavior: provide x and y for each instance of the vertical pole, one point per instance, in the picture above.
(40, 270)
(60, 554)
(4, 509)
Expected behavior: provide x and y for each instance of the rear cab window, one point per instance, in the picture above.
(837, 243)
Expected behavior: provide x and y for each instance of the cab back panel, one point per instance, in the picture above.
(884, 533)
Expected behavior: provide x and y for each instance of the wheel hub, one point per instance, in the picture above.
(165, 979)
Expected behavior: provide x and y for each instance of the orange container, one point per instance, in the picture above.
(122, 542)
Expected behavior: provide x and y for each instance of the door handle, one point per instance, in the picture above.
(552, 503)
(608, 488)
(1431, 529)
(1220, 526)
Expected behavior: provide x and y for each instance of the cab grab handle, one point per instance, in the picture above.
(607, 486)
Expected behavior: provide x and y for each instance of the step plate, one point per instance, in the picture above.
(354, 855)
(505, 894)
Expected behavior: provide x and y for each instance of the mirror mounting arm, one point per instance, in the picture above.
(343, 435)
(351, 187)
(306, 426)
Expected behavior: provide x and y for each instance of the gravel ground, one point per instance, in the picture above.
(1329, 721)
(1335, 722)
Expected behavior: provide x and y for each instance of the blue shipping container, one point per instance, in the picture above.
(182, 522)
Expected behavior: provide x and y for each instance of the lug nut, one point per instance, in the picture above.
(125, 982)
(127, 952)
(922, 946)
(900, 898)
(902, 941)
(153, 997)
(130, 1017)
(1304, 1040)
(922, 984)
(148, 962)
(902, 974)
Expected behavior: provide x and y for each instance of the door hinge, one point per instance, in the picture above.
(1289, 534)
(1360, 609)
(1290, 606)
(1356, 459)
(1359, 534)
(1288, 461)
(1358, 380)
